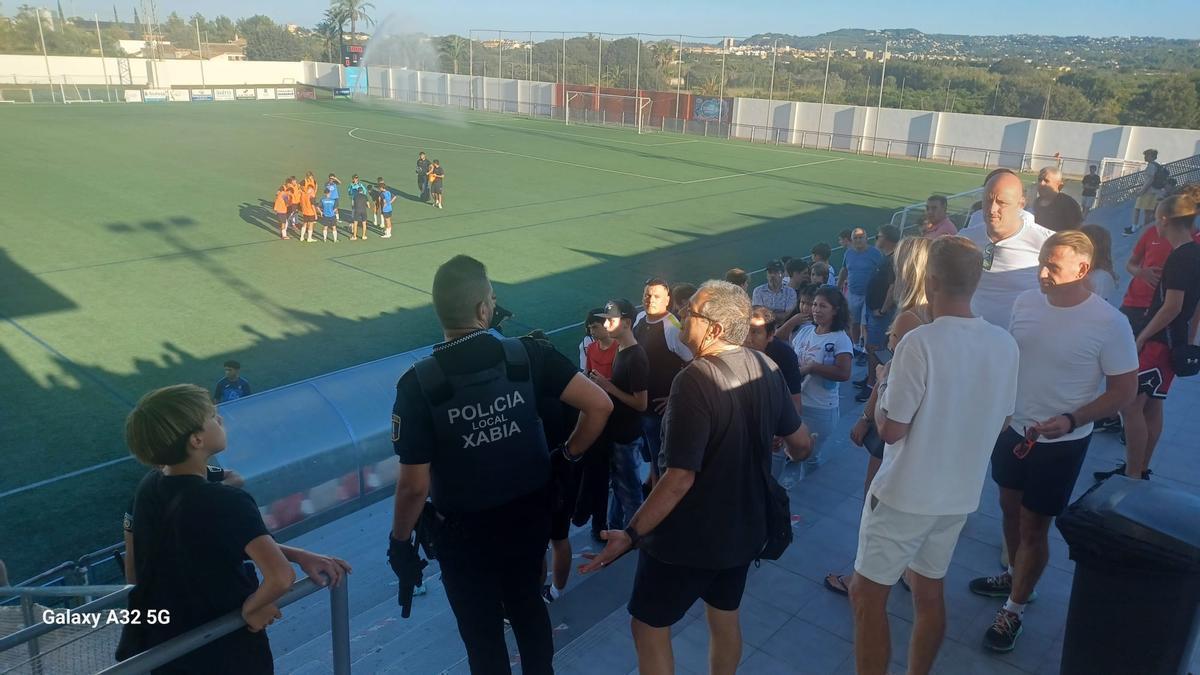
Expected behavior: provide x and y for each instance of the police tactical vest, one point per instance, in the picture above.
(490, 444)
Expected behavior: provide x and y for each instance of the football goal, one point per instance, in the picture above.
(1111, 167)
(11, 95)
(588, 107)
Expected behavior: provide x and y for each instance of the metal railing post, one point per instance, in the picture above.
(339, 622)
(32, 645)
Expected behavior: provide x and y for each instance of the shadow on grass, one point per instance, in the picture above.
(73, 418)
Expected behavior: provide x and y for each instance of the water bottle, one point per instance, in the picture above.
(829, 358)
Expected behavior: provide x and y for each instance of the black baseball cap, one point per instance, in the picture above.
(619, 309)
(775, 266)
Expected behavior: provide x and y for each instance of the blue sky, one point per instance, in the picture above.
(1169, 18)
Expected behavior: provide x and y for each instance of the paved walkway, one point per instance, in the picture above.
(791, 624)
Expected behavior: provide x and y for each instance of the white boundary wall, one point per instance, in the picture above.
(984, 140)
(91, 70)
(484, 93)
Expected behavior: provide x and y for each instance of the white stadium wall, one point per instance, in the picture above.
(981, 140)
(81, 70)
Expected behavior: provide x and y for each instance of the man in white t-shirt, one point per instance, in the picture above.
(1072, 344)
(1010, 243)
(935, 423)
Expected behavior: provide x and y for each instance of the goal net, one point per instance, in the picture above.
(588, 107)
(71, 93)
(1111, 167)
(958, 208)
(11, 95)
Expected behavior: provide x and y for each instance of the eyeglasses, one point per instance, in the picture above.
(1022, 448)
(685, 312)
(989, 256)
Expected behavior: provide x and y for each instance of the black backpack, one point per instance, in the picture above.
(1161, 176)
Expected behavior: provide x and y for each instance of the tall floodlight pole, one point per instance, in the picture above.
(771, 88)
(678, 75)
(103, 61)
(500, 65)
(824, 90)
(599, 61)
(564, 61)
(471, 53)
(529, 75)
(879, 106)
(721, 91)
(45, 55)
(200, 50)
(637, 74)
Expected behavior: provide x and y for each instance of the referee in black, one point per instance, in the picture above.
(466, 428)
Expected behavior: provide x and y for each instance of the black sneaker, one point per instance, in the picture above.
(1129, 231)
(1109, 425)
(546, 597)
(861, 383)
(864, 395)
(1105, 475)
(998, 586)
(1003, 634)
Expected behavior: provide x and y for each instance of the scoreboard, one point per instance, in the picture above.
(351, 55)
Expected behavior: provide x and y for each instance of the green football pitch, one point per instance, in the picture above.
(139, 250)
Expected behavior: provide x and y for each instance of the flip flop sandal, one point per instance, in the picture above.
(837, 584)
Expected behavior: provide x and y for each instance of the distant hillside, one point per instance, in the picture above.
(1152, 53)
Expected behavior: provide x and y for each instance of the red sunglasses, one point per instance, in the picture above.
(1022, 448)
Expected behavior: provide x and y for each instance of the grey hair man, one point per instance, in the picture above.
(704, 522)
(1052, 209)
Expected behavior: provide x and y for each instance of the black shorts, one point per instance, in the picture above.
(307, 218)
(1046, 476)
(1137, 318)
(360, 214)
(436, 189)
(386, 214)
(329, 221)
(663, 593)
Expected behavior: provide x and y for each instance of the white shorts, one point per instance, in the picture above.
(890, 541)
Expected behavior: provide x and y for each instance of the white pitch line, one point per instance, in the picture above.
(409, 145)
(476, 147)
(573, 134)
(752, 173)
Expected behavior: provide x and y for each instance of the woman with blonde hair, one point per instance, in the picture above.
(912, 310)
(1103, 278)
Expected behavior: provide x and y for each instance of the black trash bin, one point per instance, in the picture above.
(1135, 601)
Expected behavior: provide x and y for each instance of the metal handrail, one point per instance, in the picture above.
(339, 613)
(114, 595)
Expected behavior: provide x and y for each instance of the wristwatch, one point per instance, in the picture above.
(566, 453)
(634, 537)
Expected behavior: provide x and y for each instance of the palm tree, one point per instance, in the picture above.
(452, 49)
(330, 29)
(354, 11)
(711, 86)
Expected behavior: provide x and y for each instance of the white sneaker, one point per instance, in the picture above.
(386, 236)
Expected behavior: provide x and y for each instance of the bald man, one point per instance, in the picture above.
(1010, 243)
(1054, 210)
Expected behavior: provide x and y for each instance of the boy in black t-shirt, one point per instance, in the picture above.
(193, 537)
(1091, 183)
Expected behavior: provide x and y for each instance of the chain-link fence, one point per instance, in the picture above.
(32, 642)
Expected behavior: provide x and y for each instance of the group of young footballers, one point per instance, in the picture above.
(298, 205)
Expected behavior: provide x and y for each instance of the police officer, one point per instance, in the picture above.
(466, 428)
(423, 177)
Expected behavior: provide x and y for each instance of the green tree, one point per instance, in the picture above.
(452, 50)
(221, 29)
(1167, 102)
